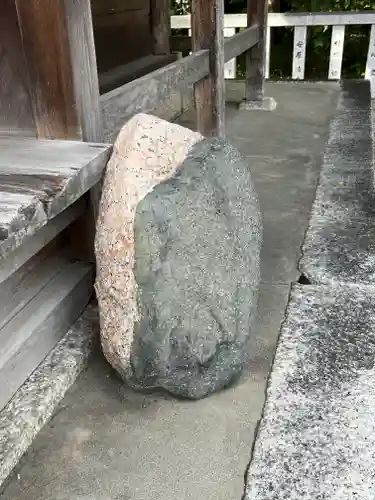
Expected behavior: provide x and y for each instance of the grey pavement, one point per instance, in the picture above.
(106, 442)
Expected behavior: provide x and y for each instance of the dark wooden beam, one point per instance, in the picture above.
(46, 46)
(16, 116)
(161, 26)
(207, 19)
(257, 11)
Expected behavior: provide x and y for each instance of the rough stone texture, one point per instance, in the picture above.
(147, 151)
(340, 242)
(177, 304)
(198, 239)
(317, 436)
(34, 403)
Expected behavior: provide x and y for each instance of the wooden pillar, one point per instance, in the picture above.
(207, 23)
(57, 38)
(85, 74)
(161, 26)
(46, 46)
(257, 13)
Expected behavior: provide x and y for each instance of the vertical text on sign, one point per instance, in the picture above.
(337, 48)
(230, 66)
(299, 53)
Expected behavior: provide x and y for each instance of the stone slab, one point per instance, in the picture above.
(36, 400)
(317, 437)
(266, 104)
(340, 243)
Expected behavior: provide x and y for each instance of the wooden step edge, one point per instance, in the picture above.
(11, 259)
(34, 331)
(35, 401)
(21, 287)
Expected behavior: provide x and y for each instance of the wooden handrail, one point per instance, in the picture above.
(290, 19)
(241, 42)
(144, 94)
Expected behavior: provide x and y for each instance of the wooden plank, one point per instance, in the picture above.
(290, 19)
(24, 284)
(336, 53)
(127, 72)
(46, 47)
(257, 12)
(39, 179)
(12, 260)
(16, 116)
(322, 18)
(122, 38)
(113, 7)
(160, 26)
(85, 74)
(146, 93)
(241, 42)
(299, 53)
(36, 329)
(370, 63)
(207, 23)
(230, 68)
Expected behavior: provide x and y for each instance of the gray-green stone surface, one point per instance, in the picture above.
(197, 244)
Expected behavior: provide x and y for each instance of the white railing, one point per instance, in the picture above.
(300, 22)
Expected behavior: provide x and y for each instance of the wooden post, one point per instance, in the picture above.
(58, 42)
(85, 74)
(207, 22)
(46, 46)
(161, 26)
(257, 13)
(86, 90)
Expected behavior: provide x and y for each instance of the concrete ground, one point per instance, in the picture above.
(106, 442)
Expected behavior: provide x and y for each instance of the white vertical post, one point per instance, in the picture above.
(268, 54)
(299, 53)
(337, 48)
(370, 64)
(230, 66)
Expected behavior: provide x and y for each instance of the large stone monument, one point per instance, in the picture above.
(177, 247)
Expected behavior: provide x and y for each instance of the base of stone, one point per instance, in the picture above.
(36, 400)
(266, 104)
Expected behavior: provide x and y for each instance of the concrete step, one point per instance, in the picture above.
(316, 440)
(340, 243)
(317, 437)
(35, 401)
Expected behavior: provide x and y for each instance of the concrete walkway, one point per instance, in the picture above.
(106, 442)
